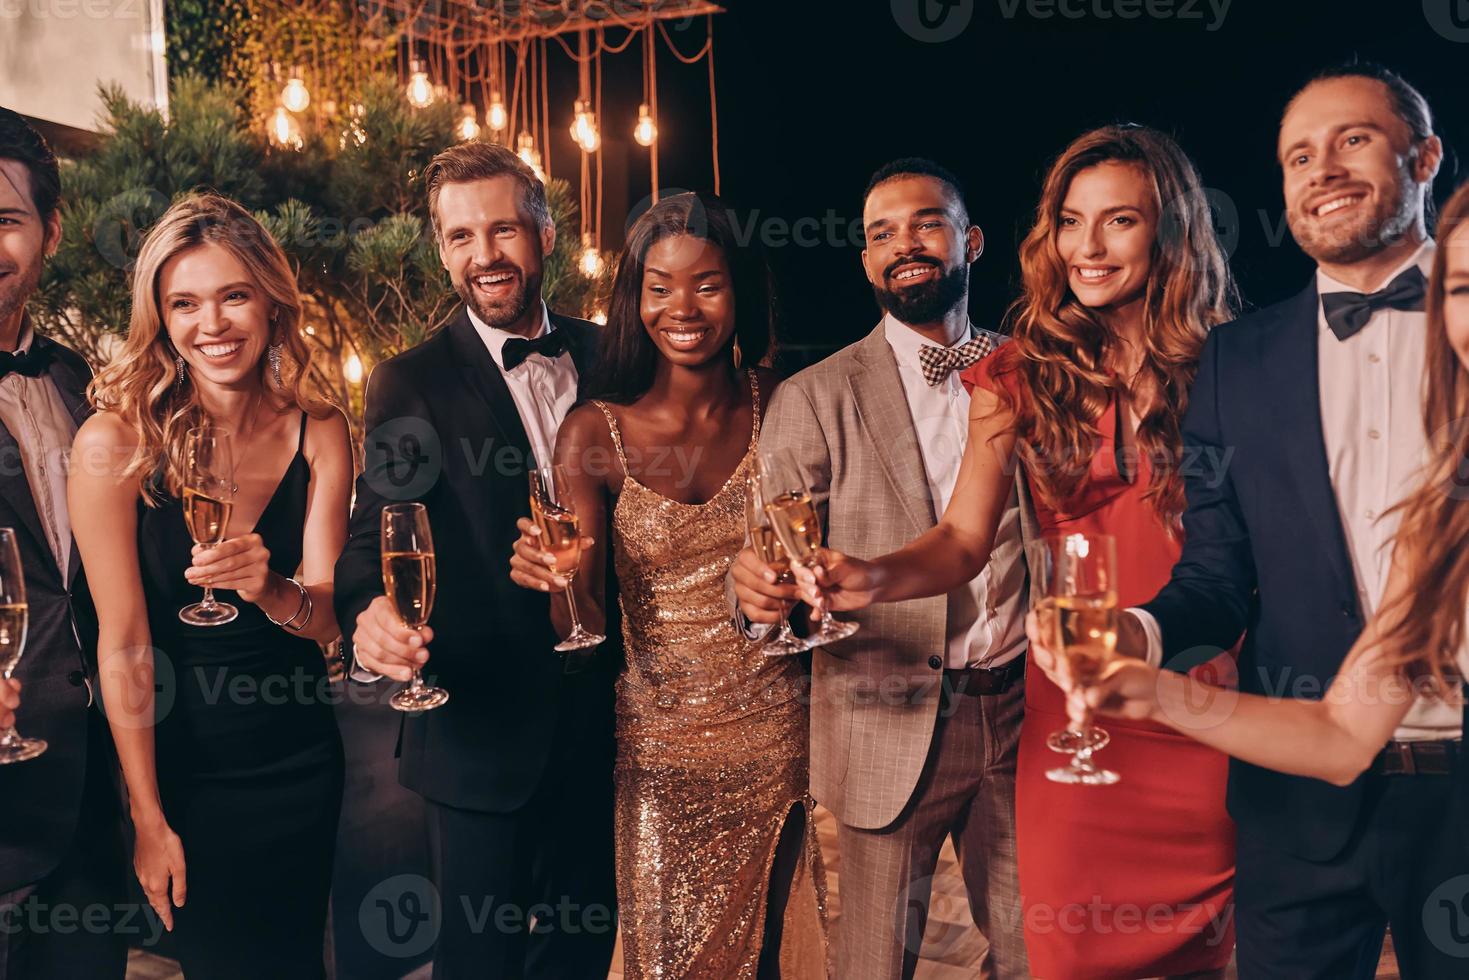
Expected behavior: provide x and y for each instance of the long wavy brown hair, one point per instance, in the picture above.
(142, 383)
(1424, 628)
(1064, 371)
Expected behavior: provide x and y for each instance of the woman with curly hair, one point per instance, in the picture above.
(225, 732)
(1123, 276)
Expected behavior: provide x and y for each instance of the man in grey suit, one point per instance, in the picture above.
(915, 719)
(61, 857)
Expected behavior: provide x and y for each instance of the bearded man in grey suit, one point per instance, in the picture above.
(915, 719)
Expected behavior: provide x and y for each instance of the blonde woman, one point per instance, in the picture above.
(1123, 278)
(234, 766)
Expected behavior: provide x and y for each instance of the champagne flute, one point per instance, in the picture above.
(209, 493)
(792, 513)
(769, 549)
(408, 580)
(13, 616)
(1074, 578)
(554, 512)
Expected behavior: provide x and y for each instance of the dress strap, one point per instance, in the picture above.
(755, 400)
(301, 440)
(616, 433)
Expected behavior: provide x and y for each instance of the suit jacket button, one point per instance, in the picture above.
(935, 662)
(76, 678)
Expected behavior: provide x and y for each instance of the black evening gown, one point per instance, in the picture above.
(249, 757)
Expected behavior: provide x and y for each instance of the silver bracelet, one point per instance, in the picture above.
(304, 607)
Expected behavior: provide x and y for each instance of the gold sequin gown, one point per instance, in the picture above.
(712, 743)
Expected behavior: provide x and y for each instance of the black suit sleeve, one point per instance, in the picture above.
(1206, 604)
(392, 457)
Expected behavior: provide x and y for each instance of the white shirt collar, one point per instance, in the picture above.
(495, 338)
(27, 335)
(906, 342)
(1422, 258)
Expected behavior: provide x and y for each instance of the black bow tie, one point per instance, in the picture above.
(31, 363)
(1348, 312)
(517, 349)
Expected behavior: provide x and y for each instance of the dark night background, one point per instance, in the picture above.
(813, 96)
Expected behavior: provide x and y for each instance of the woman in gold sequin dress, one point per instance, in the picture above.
(718, 869)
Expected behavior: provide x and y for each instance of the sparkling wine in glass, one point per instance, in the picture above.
(769, 550)
(13, 610)
(208, 498)
(1074, 576)
(408, 580)
(554, 512)
(797, 525)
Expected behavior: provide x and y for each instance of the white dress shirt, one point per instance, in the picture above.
(35, 416)
(544, 388)
(986, 618)
(1371, 391)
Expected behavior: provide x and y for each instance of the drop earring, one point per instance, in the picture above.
(273, 354)
(179, 369)
(739, 355)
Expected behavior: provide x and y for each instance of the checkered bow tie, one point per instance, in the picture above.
(937, 362)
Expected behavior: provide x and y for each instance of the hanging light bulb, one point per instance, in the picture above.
(468, 127)
(526, 150)
(420, 92)
(584, 128)
(283, 129)
(645, 132)
(592, 265)
(352, 369)
(496, 116)
(295, 96)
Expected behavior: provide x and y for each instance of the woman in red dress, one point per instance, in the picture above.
(1123, 276)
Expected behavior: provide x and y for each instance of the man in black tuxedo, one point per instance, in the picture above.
(1315, 403)
(517, 767)
(61, 857)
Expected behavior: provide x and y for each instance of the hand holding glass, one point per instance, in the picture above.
(1074, 590)
(792, 513)
(554, 512)
(208, 498)
(770, 551)
(408, 580)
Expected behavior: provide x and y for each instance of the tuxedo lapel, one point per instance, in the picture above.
(480, 372)
(15, 490)
(883, 408)
(1290, 355)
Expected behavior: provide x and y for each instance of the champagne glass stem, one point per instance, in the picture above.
(208, 601)
(785, 633)
(10, 738)
(571, 605)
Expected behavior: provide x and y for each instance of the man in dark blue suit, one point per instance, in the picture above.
(61, 857)
(1317, 402)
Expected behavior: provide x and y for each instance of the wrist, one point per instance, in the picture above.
(1132, 638)
(147, 815)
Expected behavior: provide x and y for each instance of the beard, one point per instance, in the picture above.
(505, 312)
(925, 302)
(1366, 235)
(17, 288)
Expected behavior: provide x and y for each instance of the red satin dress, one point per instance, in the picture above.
(1134, 879)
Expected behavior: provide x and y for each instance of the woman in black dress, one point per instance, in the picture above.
(226, 735)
